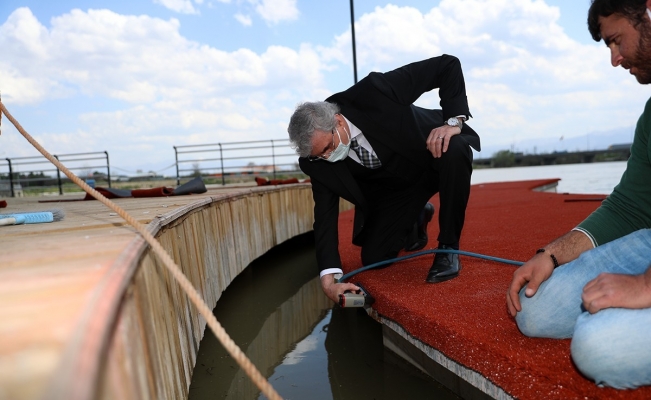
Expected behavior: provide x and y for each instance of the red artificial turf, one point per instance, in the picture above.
(466, 318)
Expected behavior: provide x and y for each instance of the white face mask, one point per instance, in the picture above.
(341, 152)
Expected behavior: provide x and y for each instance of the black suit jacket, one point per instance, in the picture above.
(381, 106)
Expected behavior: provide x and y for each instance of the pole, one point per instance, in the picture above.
(352, 29)
(176, 162)
(108, 169)
(273, 159)
(59, 177)
(221, 161)
(11, 178)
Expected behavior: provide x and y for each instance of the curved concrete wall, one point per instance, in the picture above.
(157, 334)
(140, 337)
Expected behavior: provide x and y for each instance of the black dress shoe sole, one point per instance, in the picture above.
(417, 245)
(442, 278)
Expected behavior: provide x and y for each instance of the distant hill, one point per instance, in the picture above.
(591, 141)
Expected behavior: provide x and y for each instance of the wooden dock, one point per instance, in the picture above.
(87, 312)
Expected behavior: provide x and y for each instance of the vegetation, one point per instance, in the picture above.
(503, 159)
(615, 156)
(506, 158)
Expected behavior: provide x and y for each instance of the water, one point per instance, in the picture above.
(306, 348)
(592, 178)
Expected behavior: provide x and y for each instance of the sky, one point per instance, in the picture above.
(135, 78)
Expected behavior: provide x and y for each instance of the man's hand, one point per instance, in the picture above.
(617, 290)
(333, 290)
(532, 273)
(439, 139)
(537, 270)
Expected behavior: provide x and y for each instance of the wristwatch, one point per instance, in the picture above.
(454, 121)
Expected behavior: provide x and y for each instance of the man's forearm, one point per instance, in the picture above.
(569, 246)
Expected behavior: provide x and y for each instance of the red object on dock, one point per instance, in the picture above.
(466, 318)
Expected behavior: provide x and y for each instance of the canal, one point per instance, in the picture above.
(306, 347)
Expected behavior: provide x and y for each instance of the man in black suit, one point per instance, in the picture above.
(371, 146)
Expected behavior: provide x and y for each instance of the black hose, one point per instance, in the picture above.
(422, 253)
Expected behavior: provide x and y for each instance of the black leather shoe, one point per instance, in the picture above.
(445, 267)
(420, 241)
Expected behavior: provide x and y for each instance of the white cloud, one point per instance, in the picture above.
(168, 90)
(301, 350)
(245, 20)
(275, 11)
(134, 59)
(179, 6)
(525, 77)
(19, 89)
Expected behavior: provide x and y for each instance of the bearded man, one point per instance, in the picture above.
(594, 283)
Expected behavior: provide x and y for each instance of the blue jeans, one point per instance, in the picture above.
(611, 347)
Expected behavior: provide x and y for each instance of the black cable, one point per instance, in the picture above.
(422, 253)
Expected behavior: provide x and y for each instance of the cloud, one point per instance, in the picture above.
(525, 77)
(136, 59)
(245, 20)
(164, 89)
(179, 6)
(276, 11)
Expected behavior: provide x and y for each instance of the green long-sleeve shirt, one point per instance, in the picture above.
(628, 208)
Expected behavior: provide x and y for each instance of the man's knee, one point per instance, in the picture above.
(608, 353)
(459, 150)
(542, 317)
(590, 354)
(528, 318)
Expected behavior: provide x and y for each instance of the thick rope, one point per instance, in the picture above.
(232, 348)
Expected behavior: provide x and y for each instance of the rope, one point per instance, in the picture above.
(422, 253)
(232, 348)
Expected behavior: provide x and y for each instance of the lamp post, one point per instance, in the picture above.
(352, 29)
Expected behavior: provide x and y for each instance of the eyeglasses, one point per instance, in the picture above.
(326, 153)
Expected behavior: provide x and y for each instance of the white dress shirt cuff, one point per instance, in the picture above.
(331, 271)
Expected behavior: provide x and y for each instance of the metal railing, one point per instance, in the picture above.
(274, 157)
(233, 161)
(18, 177)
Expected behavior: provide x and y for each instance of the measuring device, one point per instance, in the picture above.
(361, 298)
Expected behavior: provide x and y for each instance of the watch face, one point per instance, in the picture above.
(453, 122)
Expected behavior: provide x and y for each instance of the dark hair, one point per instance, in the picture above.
(632, 10)
(307, 118)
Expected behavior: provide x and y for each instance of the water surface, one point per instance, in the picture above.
(306, 348)
(591, 178)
